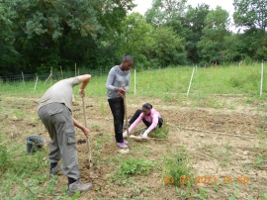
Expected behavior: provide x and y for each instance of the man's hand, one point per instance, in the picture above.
(86, 132)
(82, 92)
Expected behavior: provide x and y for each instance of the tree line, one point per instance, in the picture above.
(96, 33)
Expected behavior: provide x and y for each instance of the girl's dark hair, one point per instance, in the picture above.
(147, 106)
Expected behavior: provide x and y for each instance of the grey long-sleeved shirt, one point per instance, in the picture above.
(116, 78)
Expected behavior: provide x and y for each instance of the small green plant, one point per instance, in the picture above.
(161, 133)
(232, 197)
(178, 167)
(202, 194)
(135, 166)
(4, 159)
(263, 197)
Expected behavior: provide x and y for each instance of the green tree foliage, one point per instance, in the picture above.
(168, 47)
(164, 11)
(193, 24)
(136, 38)
(252, 15)
(56, 32)
(9, 57)
(95, 34)
(211, 46)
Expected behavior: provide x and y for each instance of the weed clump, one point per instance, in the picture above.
(160, 133)
(177, 168)
(135, 166)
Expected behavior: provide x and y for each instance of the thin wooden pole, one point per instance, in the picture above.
(51, 76)
(262, 73)
(36, 82)
(190, 83)
(61, 72)
(78, 72)
(47, 79)
(23, 78)
(75, 70)
(135, 81)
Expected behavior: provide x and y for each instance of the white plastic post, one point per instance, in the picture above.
(23, 78)
(51, 76)
(190, 82)
(75, 69)
(135, 81)
(262, 71)
(36, 82)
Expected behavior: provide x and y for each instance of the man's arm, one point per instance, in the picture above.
(80, 126)
(84, 80)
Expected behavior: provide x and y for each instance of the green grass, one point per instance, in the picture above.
(168, 83)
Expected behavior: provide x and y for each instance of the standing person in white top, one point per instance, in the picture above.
(118, 77)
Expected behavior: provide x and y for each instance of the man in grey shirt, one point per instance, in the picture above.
(54, 110)
(119, 76)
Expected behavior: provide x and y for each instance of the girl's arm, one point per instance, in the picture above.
(136, 122)
(155, 122)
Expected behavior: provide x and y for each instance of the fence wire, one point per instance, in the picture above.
(55, 76)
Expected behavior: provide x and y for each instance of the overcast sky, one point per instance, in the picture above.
(144, 5)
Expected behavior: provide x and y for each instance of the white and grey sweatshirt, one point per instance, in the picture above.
(117, 78)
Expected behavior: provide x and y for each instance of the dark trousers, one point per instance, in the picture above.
(136, 115)
(117, 109)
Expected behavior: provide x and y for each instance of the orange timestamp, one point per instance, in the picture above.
(184, 180)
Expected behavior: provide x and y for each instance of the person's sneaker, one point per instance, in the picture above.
(55, 170)
(125, 141)
(122, 145)
(78, 186)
